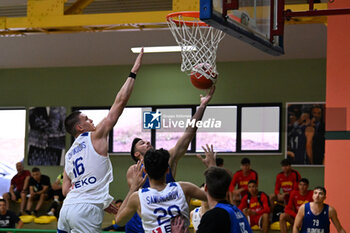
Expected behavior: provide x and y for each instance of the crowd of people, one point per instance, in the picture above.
(156, 202)
(28, 188)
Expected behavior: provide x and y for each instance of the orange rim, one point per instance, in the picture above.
(193, 14)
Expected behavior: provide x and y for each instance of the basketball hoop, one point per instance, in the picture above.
(198, 41)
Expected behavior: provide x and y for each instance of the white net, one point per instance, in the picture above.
(199, 43)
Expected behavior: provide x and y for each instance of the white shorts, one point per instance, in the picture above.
(80, 218)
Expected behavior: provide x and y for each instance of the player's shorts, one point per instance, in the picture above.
(255, 220)
(80, 218)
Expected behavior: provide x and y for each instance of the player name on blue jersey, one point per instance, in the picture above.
(315, 230)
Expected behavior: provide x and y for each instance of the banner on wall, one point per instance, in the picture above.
(306, 133)
(46, 137)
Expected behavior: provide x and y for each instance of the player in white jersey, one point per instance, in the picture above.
(88, 170)
(160, 202)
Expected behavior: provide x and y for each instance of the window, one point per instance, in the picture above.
(128, 127)
(260, 128)
(96, 115)
(12, 134)
(223, 138)
(173, 122)
(241, 128)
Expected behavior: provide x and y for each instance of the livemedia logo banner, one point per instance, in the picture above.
(177, 120)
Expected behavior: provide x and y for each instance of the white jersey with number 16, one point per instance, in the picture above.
(90, 173)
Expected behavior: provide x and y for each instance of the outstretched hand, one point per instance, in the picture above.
(177, 225)
(136, 174)
(137, 63)
(210, 156)
(205, 99)
(112, 209)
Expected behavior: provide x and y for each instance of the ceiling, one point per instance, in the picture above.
(113, 47)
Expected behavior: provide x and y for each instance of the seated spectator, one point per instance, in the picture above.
(198, 212)
(39, 186)
(56, 193)
(256, 207)
(8, 219)
(116, 227)
(287, 180)
(241, 179)
(220, 163)
(19, 187)
(296, 199)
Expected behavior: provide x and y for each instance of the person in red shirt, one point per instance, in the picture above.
(241, 179)
(19, 187)
(287, 180)
(255, 206)
(296, 199)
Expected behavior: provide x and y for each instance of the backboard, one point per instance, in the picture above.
(257, 22)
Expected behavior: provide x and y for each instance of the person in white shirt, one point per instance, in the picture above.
(160, 202)
(88, 170)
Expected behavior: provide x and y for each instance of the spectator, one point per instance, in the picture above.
(19, 187)
(220, 163)
(296, 199)
(56, 193)
(116, 227)
(39, 186)
(255, 206)
(287, 180)
(241, 179)
(8, 219)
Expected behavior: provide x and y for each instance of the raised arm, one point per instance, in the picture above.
(334, 217)
(299, 219)
(182, 144)
(131, 202)
(210, 156)
(106, 125)
(193, 191)
(127, 209)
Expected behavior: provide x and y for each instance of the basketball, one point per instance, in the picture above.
(202, 76)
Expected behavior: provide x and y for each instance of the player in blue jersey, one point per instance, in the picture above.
(217, 182)
(313, 217)
(139, 148)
